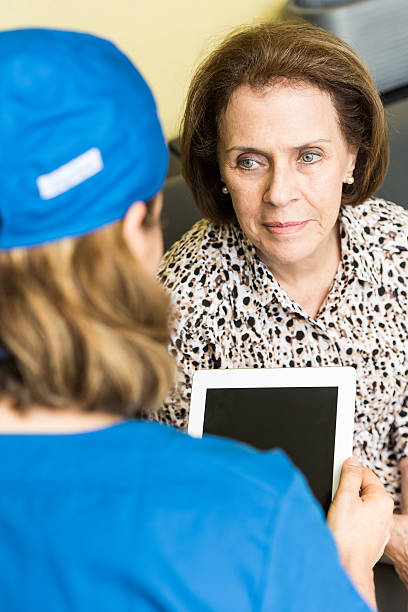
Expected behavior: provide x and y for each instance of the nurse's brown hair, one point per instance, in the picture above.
(261, 56)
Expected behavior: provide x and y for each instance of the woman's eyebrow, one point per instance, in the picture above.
(246, 150)
(312, 143)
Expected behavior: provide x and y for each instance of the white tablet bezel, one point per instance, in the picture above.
(344, 378)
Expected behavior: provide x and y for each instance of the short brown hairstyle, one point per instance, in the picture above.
(259, 56)
(83, 324)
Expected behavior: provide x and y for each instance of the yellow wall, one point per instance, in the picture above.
(166, 38)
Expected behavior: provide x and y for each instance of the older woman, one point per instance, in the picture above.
(284, 142)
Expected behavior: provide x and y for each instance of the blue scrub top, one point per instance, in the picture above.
(141, 517)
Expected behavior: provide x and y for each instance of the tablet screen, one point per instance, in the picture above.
(300, 420)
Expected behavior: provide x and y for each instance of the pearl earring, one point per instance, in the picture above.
(225, 189)
(349, 180)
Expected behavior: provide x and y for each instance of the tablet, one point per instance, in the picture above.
(308, 412)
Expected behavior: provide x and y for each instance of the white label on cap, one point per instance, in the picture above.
(70, 174)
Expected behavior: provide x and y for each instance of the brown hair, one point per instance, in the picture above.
(83, 324)
(258, 56)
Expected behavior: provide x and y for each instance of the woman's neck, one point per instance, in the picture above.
(308, 281)
(40, 420)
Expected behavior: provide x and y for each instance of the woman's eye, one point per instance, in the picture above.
(247, 163)
(310, 157)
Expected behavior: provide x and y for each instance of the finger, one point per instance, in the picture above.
(370, 483)
(351, 477)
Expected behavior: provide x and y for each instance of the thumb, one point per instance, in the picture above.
(351, 477)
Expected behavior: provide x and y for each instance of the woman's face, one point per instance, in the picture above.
(284, 160)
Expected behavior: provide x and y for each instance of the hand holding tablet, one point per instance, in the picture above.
(361, 520)
(308, 412)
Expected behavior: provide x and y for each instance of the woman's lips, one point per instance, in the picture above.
(285, 228)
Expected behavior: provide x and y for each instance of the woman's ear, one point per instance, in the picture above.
(353, 158)
(132, 227)
(141, 230)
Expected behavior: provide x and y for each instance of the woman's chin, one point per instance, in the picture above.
(284, 253)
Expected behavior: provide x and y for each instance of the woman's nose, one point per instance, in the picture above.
(281, 188)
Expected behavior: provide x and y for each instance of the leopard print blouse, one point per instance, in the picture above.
(232, 313)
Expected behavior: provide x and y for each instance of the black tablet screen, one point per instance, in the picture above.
(300, 420)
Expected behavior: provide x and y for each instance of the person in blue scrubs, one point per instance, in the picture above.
(101, 509)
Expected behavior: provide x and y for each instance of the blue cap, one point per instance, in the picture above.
(80, 139)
